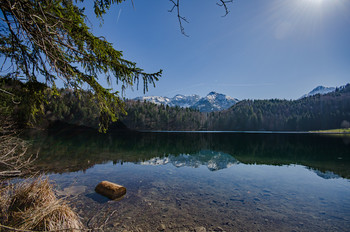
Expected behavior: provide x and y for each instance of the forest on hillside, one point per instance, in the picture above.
(316, 112)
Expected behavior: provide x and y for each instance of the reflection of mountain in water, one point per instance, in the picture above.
(213, 160)
(74, 150)
(326, 174)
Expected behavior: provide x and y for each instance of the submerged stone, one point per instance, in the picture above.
(111, 190)
(200, 229)
(72, 190)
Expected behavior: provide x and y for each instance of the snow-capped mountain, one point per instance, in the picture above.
(177, 100)
(155, 99)
(212, 102)
(319, 90)
(184, 101)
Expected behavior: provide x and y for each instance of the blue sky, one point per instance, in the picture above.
(262, 49)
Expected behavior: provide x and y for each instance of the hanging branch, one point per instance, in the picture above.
(176, 5)
(180, 18)
(223, 4)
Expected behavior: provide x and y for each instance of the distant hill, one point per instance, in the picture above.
(331, 110)
(317, 112)
(210, 103)
(319, 90)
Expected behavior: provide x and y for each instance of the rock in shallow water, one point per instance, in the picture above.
(111, 190)
(200, 229)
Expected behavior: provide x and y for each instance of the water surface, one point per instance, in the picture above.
(203, 181)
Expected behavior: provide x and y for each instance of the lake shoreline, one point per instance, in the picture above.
(248, 132)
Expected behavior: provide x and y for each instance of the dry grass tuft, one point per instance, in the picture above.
(14, 159)
(32, 205)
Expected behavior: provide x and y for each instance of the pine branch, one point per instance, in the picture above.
(51, 39)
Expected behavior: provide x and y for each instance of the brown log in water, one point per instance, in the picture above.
(111, 190)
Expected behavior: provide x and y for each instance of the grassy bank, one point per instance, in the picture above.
(334, 131)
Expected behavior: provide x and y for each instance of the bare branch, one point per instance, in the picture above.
(223, 4)
(176, 5)
(180, 18)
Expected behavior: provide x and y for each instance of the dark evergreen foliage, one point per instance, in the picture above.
(50, 39)
(82, 108)
(312, 113)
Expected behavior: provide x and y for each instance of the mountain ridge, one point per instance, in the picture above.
(211, 102)
(319, 90)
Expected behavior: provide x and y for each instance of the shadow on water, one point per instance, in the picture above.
(74, 150)
(97, 197)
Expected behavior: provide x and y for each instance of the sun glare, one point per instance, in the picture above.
(315, 1)
(303, 18)
(318, 2)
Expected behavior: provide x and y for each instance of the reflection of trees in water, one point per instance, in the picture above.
(346, 139)
(74, 150)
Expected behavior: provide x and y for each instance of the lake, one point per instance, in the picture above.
(202, 181)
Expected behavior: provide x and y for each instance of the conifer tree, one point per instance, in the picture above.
(50, 39)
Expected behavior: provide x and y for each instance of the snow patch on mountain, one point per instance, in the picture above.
(155, 99)
(212, 102)
(184, 101)
(177, 100)
(319, 90)
(215, 102)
